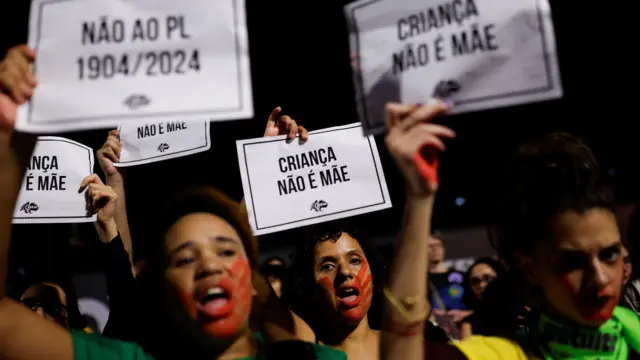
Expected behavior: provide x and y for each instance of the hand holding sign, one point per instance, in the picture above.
(16, 83)
(410, 138)
(281, 125)
(101, 200)
(110, 154)
(16, 86)
(336, 175)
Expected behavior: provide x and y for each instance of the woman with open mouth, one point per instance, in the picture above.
(207, 274)
(337, 275)
(200, 280)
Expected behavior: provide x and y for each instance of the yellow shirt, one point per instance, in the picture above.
(490, 348)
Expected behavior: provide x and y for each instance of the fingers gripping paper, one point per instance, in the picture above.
(335, 174)
(148, 143)
(481, 54)
(49, 192)
(104, 63)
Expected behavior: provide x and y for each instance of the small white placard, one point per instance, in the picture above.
(148, 143)
(49, 192)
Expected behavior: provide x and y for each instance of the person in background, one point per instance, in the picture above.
(482, 272)
(478, 276)
(52, 302)
(446, 287)
(276, 272)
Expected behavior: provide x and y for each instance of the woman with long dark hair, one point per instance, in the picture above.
(556, 230)
(482, 272)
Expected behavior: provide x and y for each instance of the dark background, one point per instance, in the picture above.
(300, 61)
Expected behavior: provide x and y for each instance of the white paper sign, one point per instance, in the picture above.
(481, 54)
(49, 192)
(103, 63)
(143, 144)
(335, 174)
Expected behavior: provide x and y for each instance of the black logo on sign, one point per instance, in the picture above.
(163, 147)
(29, 207)
(319, 205)
(445, 88)
(136, 101)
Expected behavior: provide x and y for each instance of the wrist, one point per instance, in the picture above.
(114, 180)
(420, 200)
(107, 230)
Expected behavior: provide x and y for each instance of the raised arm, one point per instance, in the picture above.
(117, 250)
(23, 334)
(410, 135)
(275, 321)
(107, 155)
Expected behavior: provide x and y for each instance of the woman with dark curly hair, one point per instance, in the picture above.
(339, 276)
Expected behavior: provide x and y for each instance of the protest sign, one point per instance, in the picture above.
(147, 143)
(335, 174)
(104, 63)
(49, 192)
(481, 54)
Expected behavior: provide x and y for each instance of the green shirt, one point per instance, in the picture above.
(95, 347)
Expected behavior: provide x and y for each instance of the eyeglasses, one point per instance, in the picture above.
(475, 281)
(55, 310)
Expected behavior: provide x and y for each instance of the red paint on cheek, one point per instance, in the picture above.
(364, 284)
(189, 304)
(326, 283)
(590, 311)
(241, 289)
(566, 282)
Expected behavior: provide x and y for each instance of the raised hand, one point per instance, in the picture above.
(101, 200)
(16, 83)
(109, 154)
(281, 125)
(414, 142)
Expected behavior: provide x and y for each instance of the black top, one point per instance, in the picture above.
(121, 287)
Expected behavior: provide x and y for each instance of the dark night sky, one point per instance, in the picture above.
(300, 61)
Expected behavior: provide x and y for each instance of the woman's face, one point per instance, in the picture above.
(479, 277)
(580, 273)
(208, 266)
(344, 278)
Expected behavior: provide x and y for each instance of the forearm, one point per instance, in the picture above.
(408, 280)
(8, 197)
(15, 151)
(121, 218)
(27, 336)
(409, 271)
